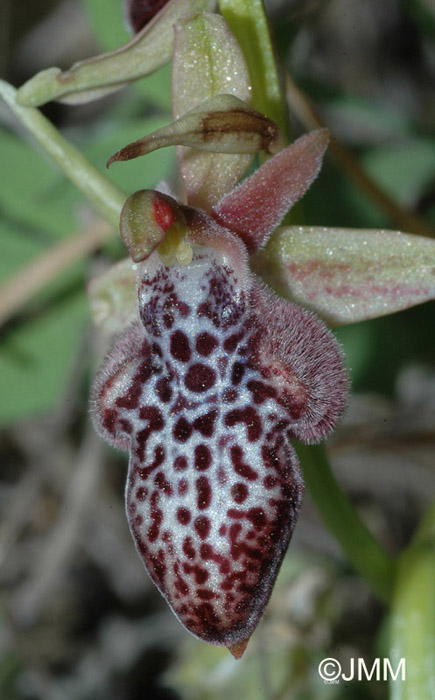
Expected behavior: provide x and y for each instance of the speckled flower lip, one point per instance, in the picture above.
(205, 389)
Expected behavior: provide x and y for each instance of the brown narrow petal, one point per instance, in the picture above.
(222, 124)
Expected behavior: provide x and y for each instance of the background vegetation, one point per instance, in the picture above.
(78, 617)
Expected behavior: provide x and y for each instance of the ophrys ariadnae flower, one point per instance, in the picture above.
(206, 389)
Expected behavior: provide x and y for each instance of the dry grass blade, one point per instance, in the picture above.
(23, 285)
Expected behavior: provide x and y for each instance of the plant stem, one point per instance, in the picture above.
(101, 192)
(360, 547)
(248, 22)
(413, 616)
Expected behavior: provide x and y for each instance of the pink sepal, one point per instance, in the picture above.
(256, 207)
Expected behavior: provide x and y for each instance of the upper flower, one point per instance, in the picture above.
(205, 389)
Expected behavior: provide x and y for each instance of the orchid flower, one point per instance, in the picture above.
(215, 373)
(212, 374)
(204, 389)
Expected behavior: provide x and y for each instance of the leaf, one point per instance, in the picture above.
(412, 640)
(87, 80)
(32, 194)
(158, 166)
(349, 275)
(423, 12)
(207, 62)
(37, 356)
(107, 21)
(404, 170)
(365, 122)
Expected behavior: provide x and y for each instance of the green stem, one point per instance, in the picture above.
(101, 192)
(360, 547)
(248, 22)
(413, 616)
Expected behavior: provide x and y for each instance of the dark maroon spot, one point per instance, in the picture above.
(250, 417)
(205, 594)
(109, 420)
(205, 344)
(204, 492)
(125, 425)
(183, 486)
(131, 399)
(159, 456)
(182, 308)
(163, 389)
(155, 423)
(182, 430)
(181, 585)
(201, 575)
(223, 530)
(270, 456)
(141, 493)
(199, 378)
(261, 391)
(202, 457)
(253, 552)
(138, 520)
(205, 424)
(180, 348)
(159, 568)
(241, 468)
(239, 492)
(234, 513)
(270, 481)
(233, 534)
(237, 373)
(180, 463)
(156, 517)
(183, 516)
(231, 343)
(207, 615)
(188, 548)
(257, 517)
(163, 484)
(202, 526)
(206, 552)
